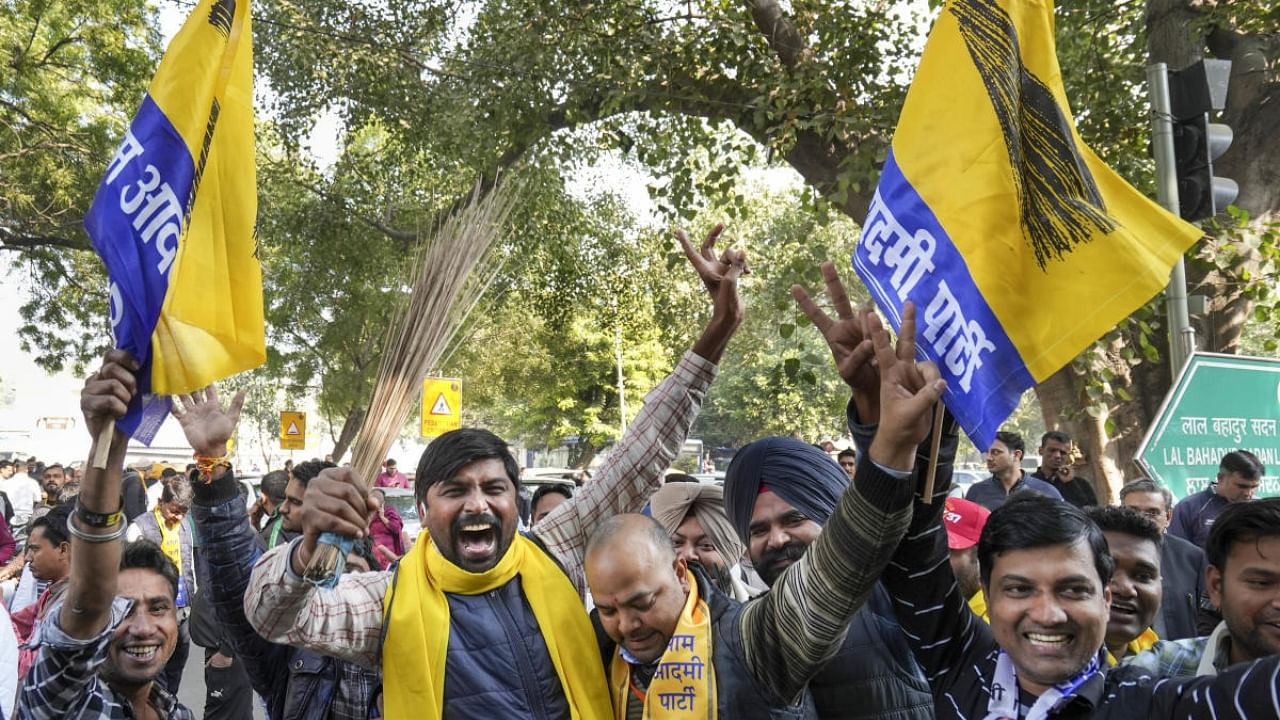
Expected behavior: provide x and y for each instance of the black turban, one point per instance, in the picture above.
(799, 473)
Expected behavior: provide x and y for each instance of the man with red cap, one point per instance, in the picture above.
(964, 521)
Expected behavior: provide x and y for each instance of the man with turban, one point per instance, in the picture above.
(778, 495)
(693, 515)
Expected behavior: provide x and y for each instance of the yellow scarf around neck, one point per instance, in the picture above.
(683, 685)
(418, 628)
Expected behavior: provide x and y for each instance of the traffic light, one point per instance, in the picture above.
(1194, 92)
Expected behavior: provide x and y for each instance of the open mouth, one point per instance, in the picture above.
(1048, 640)
(477, 540)
(1123, 612)
(142, 653)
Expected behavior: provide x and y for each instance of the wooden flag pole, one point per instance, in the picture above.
(938, 410)
(102, 444)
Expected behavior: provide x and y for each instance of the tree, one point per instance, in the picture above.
(777, 377)
(74, 73)
(1112, 392)
(479, 88)
(813, 84)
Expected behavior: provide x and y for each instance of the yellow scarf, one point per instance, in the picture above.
(684, 685)
(418, 628)
(170, 541)
(1142, 643)
(978, 604)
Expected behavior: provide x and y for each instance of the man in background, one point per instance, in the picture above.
(1239, 475)
(391, 476)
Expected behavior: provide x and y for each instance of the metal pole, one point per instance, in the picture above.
(1182, 337)
(622, 396)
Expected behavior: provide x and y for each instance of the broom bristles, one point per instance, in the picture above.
(446, 285)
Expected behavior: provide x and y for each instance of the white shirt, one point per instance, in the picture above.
(153, 495)
(24, 493)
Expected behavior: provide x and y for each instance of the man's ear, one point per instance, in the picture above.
(1213, 583)
(682, 573)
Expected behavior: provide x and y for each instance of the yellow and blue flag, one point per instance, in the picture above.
(174, 217)
(1018, 246)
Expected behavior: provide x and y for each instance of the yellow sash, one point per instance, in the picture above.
(170, 541)
(417, 637)
(684, 685)
(1142, 643)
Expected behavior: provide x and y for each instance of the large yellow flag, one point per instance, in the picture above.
(1019, 246)
(174, 218)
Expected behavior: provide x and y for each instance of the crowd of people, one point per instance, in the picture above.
(804, 586)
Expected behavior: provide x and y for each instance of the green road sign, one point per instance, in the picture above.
(1219, 404)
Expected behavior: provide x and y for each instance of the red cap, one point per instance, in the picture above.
(964, 521)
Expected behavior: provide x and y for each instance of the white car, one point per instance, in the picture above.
(961, 480)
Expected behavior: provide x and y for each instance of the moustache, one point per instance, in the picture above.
(769, 559)
(466, 519)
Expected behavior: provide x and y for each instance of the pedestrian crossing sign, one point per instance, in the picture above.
(293, 430)
(441, 406)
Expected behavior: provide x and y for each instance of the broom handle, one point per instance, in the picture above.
(927, 497)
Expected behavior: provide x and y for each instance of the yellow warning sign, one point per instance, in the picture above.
(441, 406)
(293, 430)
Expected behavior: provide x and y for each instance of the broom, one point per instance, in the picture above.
(443, 293)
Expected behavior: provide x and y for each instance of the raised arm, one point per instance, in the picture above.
(634, 470)
(98, 522)
(794, 629)
(73, 640)
(230, 547)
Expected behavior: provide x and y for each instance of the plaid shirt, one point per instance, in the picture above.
(64, 683)
(1186, 658)
(346, 622)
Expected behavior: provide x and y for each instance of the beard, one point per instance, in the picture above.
(774, 562)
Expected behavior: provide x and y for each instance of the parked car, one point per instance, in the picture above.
(532, 477)
(251, 483)
(711, 478)
(962, 479)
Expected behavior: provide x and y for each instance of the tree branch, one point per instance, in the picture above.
(14, 239)
(778, 31)
(407, 237)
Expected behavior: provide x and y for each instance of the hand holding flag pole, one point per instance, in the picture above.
(102, 444)
(173, 221)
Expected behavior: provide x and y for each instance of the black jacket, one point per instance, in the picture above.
(296, 684)
(1182, 567)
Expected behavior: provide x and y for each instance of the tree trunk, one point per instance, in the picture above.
(1253, 111)
(582, 455)
(1062, 404)
(350, 426)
